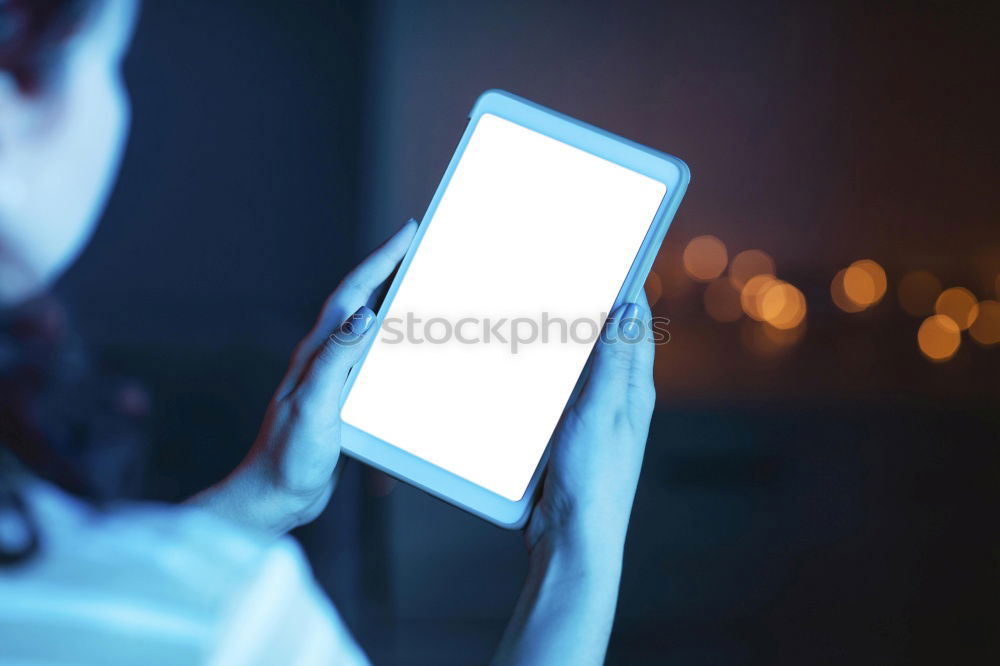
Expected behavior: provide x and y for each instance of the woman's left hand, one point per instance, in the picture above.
(288, 476)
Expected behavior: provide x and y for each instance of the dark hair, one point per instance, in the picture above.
(59, 417)
(32, 34)
(58, 414)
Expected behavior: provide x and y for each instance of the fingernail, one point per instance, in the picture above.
(629, 323)
(359, 322)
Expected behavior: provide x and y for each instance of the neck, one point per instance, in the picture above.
(18, 283)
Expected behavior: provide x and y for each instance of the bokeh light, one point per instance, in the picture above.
(674, 282)
(959, 304)
(654, 288)
(705, 258)
(675, 285)
(839, 294)
(782, 305)
(783, 337)
(752, 293)
(996, 286)
(865, 283)
(765, 340)
(722, 301)
(939, 337)
(918, 290)
(986, 329)
(748, 264)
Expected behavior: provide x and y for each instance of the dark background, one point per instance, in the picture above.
(823, 506)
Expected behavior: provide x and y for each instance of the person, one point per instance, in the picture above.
(85, 580)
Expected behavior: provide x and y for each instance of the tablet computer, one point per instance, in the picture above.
(541, 225)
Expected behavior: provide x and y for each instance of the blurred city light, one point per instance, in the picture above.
(765, 340)
(783, 337)
(865, 282)
(674, 281)
(986, 329)
(705, 258)
(748, 264)
(939, 337)
(782, 305)
(778, 309)
(839, 294)
(722, 301)
(918, 291)
(753, 292)
(959, 304)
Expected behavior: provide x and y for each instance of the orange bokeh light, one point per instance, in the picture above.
(782, 305)
(986, 329)
(705, 258)
(753, 292)
(959, 304)
(939, 337)
(722, 301)
(918, 290)
(654, 288)
(865, 282)
(783, 337)
(766, 340)
(669, 267)
(839, 294)
(748, 264)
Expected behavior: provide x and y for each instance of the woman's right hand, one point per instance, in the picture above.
(598, 448)
(576, 533)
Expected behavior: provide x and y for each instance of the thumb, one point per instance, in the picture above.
(324, 377)
(622, 363)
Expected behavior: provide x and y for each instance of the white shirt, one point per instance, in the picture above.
(151, 585)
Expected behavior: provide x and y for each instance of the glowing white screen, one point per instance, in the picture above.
(528, 225)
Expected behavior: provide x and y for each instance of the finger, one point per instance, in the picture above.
(645, 351)
(360, 285)
(323, 378)
(354, 291)
(622, 362)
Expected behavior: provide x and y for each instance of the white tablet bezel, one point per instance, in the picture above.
(669, 170)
